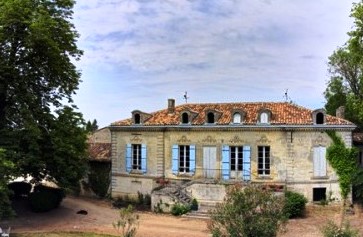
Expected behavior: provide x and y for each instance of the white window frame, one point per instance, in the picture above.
(237, 118)
(262, 160)
(238, 159)
(263, 117)
(136, 157)
(184, 158)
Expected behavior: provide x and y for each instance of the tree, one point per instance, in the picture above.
(247, 212)
(6, 168)
(345, 87)
(91, 126)
(37, 75)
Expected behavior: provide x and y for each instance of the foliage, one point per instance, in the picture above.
(333, 230)
(358, 186)
(143, 199)
(127, 223)
(159, 206)
(343, 161)
(294, 204)
(45, 198)
(346, 68)
(61, 234)
(179, 209)
(20, 189)
(42, 137)
(194, 205)
(248, 211)
(99, 177)
(6, 168)
(91, 126)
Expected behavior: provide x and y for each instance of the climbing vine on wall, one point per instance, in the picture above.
(343, 160)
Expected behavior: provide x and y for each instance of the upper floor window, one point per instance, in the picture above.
(137, 119)
(185, 118)
(210, 117)
(236, 118)
(264, 117)
(320, 118)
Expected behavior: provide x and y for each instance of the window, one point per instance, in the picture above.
(264, 160)
(136, 158)
(320, 118)
(210, 117)
(236, 155)
(137, 119)
(185, 118)
(236, 162)
(319, 194)
(319, 161)
(183, 159)
(263, 117)
(236, 118)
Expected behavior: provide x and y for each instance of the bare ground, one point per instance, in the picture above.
(101, 215)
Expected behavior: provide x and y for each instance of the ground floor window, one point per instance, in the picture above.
(264, 160)
(184, 158)
(319, 194)
(136, 156)
(236, 156)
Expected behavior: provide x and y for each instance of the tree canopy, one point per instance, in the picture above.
(40, 130)
(345, 87)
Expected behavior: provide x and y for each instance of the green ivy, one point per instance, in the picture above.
(343, 160)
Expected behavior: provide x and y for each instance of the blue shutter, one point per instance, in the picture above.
(175, 159)
(143, 158)
(192, 159)
(225, 162)
(246, 163)
(128, 157)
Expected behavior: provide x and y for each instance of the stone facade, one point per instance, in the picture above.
(292, 150)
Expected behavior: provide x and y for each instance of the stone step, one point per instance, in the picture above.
(197, 215)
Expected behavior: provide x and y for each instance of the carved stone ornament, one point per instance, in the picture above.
(263, 140)
(320, 140)
(183, 139)
(236, 140)
(209, 139)
(136, 139)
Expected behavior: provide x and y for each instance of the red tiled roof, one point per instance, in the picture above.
(99, 151)
(282, 114)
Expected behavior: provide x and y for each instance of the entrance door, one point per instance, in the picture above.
(209, 161)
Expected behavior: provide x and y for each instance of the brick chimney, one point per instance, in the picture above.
(171, 106)
(340, 112)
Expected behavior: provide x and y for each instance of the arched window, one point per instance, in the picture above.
(137, 119)
(185, 118)
(320, 118)
(263, 117)
(236, 118)
(210, 117)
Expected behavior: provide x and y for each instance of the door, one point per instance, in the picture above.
(209, 162)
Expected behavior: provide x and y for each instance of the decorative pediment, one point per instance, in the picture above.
(263, 140)
(236, 140)
(136, 139)
(184, 139)
(209, 140)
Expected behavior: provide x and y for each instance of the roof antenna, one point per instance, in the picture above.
(287, 97)
(186, 97)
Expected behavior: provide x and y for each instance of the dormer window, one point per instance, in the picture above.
(137, 119)
(210, 117)
(319, 116)
(236, 118)
(264, 116)
(185, 118)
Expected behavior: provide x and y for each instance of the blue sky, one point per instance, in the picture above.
(139, 53)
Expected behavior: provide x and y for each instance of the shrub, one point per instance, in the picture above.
(246, 212)
(294, 204)
(127, 223)
(99, 177)
(45, 198)
(333, 230)
(20, 189)
(179, 209)
(194, 205)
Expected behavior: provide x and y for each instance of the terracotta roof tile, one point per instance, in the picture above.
(99, 151)
(282, 113)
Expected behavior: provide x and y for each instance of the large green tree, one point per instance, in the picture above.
(345, 87)
(41, 136)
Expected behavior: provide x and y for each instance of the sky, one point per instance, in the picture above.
(140, 53)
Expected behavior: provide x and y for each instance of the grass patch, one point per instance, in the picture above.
(61, 234)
